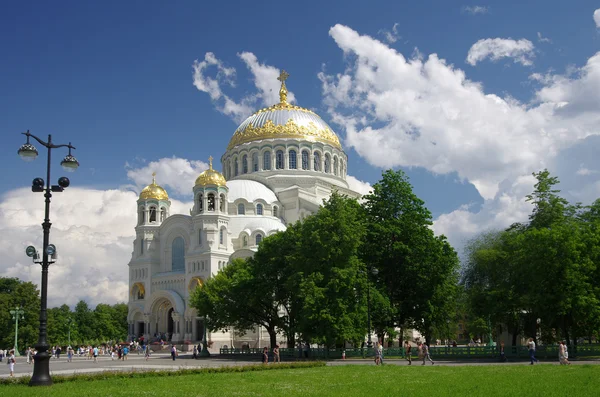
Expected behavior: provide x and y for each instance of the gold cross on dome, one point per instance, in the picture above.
(210, 159)
(283, 76)
(154, 177)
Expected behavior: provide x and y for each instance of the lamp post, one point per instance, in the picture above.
(15, 315)
(204, 352)
(69, 322)
(369, 341)
(28, 152)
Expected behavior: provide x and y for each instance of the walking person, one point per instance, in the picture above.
(408, 352)
(11, 362)
(265, 356)
(426, 356)
(173, 352)
(195, 353)
(69, 354)
(28, 354)
(377, 354)
(95, 352)
(565, 353)
(531, 347)
(147, 352)
(276, 358)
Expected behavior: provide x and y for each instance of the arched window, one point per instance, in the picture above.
(304, 160)
(245, 241)
(279, 160)
(317, 161)
(245, 164)
(293, 163)
(267, 161)
(241, 209)
(222, 203)
(327, 164)
(258, 238)
(235, 167)
(152, 214)
(255, 162)
(163, 214)
(335, 165)
(222, 236)
(210, 202)
(259, 209)
(200, 202)
(178, 254)
(275, 211)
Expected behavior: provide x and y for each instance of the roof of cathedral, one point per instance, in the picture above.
(153, 191)
(250, 191)
(251, 223)
(210, 176)
(284, 120)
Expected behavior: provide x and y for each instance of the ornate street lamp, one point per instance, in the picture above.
(28, 152)
(15, 316)
(204, 352)
(69, 322)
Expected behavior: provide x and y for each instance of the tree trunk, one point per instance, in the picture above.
(291, 342)
(514, 334)
(401, 337)
(272, 336)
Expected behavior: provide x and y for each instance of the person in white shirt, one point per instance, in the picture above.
(11, 362)
(531, 347)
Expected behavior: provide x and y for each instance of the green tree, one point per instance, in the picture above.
(14, 292)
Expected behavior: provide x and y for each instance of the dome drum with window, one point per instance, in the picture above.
(210, 192)
(153, 204)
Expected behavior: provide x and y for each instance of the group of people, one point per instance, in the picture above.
(276, 357)
(422, 352)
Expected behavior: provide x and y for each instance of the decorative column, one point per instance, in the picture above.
(176, 327)
(147, 331)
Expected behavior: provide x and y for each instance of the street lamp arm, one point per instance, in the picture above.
(49, 145)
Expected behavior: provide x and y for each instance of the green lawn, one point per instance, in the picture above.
(350, 380)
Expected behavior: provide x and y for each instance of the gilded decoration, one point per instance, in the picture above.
(194, 283)
(290, 129)
(140, 287)
(210, 176)
(153, 191)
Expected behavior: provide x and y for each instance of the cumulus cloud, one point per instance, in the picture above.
(521, 51)
(177, 175)
(359, 186)
(583, 171)
(92, 229)
(391, 36)
(597, 17)
(475, 10)
(264, 78)
(424, 112)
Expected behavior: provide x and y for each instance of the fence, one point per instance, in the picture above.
(440, 352)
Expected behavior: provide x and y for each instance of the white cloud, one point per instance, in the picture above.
(582, 171)
(176, 175)
(391, 36)
(597, 17)
(543, 39)
(264, 78)
(358, 185)
(474, 10)
(521, 51)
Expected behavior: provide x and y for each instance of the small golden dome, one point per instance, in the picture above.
(210, 176)
(153, 191)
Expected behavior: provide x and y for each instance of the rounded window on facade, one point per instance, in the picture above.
(304, 160)
(235, 167)
(293, 160)
(241, 209)
(327, 164)
(222, 203)
(275, 211)
(267, 161)
(335, 165)
(259, 209)
(255, 162)
(279, 160)
(178, 254)
(317, 161)
(258, 238)
(200, 202)
(245, 164)
(152, 214)
(210, 202)
(245, 241)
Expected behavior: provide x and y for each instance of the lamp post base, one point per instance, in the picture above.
(41, 370)
(204, 352)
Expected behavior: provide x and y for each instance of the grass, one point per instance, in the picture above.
(349, 380)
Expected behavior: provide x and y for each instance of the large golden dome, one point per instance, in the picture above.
(153, 191)
(210, 176)
(284, 120)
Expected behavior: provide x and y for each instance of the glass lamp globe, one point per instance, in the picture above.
(28, 152)
(69, 163)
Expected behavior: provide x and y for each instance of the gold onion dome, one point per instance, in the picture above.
(153, 191)
(284, 120)
(211, 177)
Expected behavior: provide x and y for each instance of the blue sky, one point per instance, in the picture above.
(116, 79)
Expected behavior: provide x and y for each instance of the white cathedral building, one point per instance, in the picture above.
(279, 166)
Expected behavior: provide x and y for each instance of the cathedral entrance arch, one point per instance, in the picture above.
(165, 315)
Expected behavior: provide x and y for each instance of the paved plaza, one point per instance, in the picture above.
(163, 361)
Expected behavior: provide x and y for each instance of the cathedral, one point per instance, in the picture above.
(279, 166)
